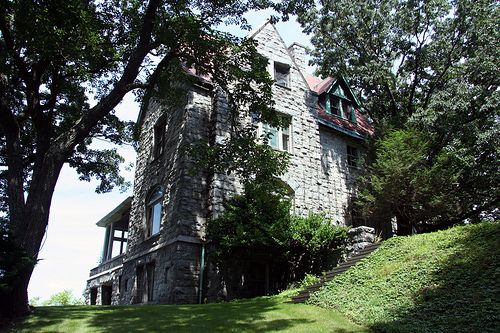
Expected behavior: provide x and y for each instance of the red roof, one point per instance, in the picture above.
(318, 85)
(361, 126)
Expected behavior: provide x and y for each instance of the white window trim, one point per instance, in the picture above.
(279, 133)
(289, 76)
(354, 156)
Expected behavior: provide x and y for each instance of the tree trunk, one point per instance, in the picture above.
(28, 225)
(15, 302)
(404, 225)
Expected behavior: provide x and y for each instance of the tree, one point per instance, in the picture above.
(429, 66)
(401, 183)
(55, 53)
(63, 298)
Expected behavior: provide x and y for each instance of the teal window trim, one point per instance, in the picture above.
(353, 115)
(327, 104)
(341, 109)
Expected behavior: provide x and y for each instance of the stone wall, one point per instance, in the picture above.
(175, 250)
(318, 175)
(109, 278)
(358, 239)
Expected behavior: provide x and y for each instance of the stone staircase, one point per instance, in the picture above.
(304, 294)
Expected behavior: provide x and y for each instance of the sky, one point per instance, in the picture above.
(73, 243)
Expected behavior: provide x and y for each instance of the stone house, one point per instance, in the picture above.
(153, 250)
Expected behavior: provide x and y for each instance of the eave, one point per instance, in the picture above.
(116, 214)
(352, 134)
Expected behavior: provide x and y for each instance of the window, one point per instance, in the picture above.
(352, 156)
(337, 103)
(159, 137)
(119, 242)
(115, 241)
(338, 106)
(153, 211)
(346, 109)
(282, 74)
(277, 138)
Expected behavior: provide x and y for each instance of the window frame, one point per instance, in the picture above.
(286, 73)
(153, 201)
(159, 137)
(352, 156)
(280, 134)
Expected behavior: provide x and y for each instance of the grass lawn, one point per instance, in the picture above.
(263, 314)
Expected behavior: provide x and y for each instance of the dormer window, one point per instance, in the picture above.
(282, 74)
(336, 102)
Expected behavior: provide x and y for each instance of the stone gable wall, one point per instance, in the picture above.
(318, 172)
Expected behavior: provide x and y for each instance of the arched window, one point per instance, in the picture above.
(153, 211)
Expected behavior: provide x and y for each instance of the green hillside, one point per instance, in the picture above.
(447, 281)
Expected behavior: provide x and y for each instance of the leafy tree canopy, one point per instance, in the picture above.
(429, 68)
(55, 53)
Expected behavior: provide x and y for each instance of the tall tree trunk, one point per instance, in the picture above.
(28, 225)
(14, 303)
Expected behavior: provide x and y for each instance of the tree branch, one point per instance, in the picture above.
(11, 48)
(136, 85)
(84, 126)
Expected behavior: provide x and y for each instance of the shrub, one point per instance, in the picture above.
(316, 243)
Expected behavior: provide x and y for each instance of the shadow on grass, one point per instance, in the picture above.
(227, 317)
(464, 295)
(256, 315)
(266, 314)
(47, 316)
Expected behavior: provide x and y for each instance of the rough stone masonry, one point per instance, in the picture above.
(163, 265)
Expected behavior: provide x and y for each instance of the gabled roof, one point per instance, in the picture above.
(359, 129)
(318, 85)
(259, 29)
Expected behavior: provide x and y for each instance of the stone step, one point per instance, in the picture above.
(305, 294)
(300, 298)
(367, 249)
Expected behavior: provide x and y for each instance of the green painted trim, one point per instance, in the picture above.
(341, 109)
(346, 84)
(353, 115)
(327, 104)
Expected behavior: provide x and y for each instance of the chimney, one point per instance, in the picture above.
(298, 52)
